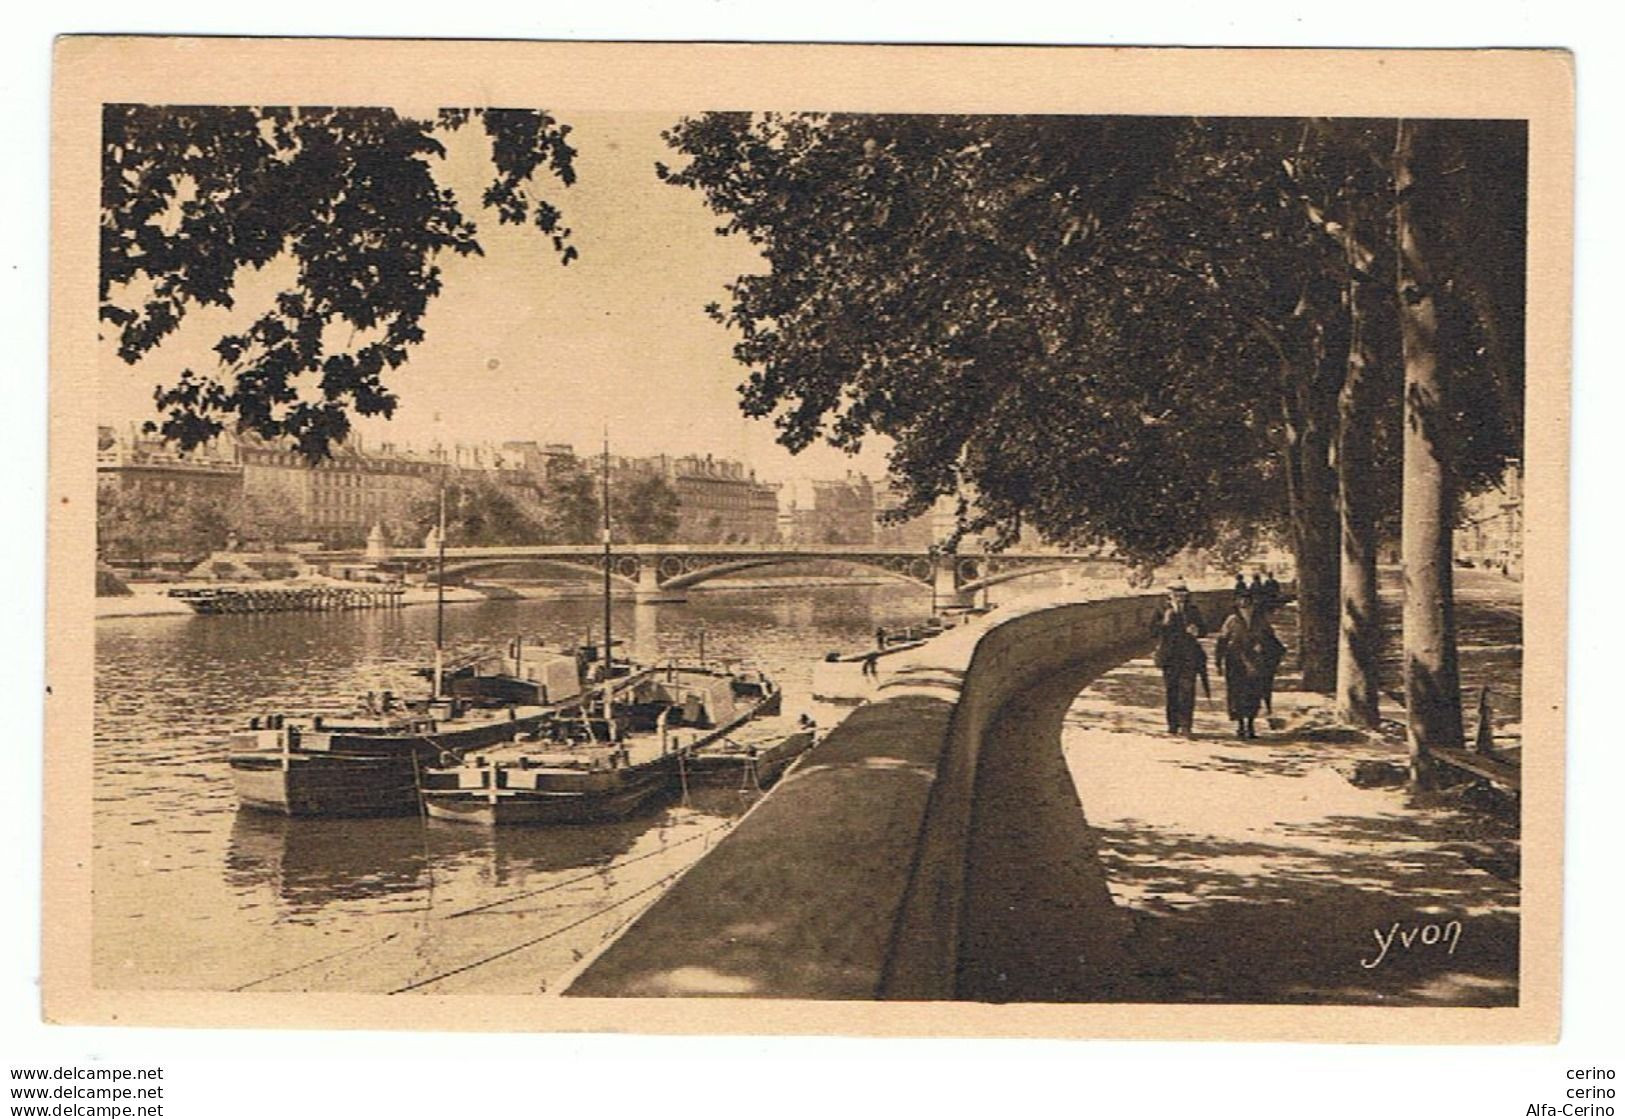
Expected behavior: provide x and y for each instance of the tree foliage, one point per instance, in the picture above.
(266, 522)
(571, 511)
(643, 510)
(479, 513)
(1114, 329)
(193, 195)
(959, 284)
(566, 510)
(138, 523)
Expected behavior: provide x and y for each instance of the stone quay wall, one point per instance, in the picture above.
(897, 861)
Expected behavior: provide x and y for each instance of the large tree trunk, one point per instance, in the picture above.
(1312, 508)
(1360, 634)
(1432, 681)
(1315, 539)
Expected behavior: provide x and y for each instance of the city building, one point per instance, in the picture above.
(828, 511)
(336, 501)
(719, 501)
(275, 495)
(1491, 530)
(539, 461)
(133, 463)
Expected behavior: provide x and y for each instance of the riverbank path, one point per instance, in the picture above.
(1258, 871)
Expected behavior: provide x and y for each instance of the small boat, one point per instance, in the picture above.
(850, 678)
(603, 762)
(597, 766)
(575, 784)
(755, 758)
(369, 762)
(301, 784)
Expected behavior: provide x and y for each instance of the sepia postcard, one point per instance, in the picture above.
(880, 540)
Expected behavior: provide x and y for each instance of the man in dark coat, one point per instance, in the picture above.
(1179, 654)
(1272, 591)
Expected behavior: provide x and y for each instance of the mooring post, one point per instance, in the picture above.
(1484, 740)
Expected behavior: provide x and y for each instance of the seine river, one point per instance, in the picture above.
(190, 893)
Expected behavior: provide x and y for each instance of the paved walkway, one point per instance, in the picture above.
(1257, 871)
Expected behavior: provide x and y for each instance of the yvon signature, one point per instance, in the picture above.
(1429, 936)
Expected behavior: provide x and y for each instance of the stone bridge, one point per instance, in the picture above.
(664, 572)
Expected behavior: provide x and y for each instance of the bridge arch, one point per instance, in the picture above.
(995, 575)
(588, 569)
(696, 574)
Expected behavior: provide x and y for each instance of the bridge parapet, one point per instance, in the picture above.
(867, 873)
(663, 571)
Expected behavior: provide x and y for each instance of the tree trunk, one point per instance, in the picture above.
(1312, 507)
(1360, 634)
(1315, 539)
(1432, 681)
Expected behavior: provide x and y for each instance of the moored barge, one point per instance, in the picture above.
(608, 763)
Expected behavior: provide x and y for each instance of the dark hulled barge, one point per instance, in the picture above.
(370, 762)
(607, 763)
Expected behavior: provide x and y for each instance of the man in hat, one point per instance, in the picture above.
(1176, 627)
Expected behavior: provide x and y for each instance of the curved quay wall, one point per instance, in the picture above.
(931, 847)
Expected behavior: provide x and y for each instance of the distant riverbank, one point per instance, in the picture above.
(147, 601)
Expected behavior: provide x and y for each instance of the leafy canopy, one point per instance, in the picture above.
(643, 509)
(191, 195)
(960, 284)
(1124, 330)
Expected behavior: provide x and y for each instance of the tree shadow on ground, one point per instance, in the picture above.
(1225, 921)
(1255, 871)
(1130, 700)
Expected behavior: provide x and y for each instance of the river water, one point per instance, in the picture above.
(192, 894)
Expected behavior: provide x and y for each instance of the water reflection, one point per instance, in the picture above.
(191, 893)
(309, 863)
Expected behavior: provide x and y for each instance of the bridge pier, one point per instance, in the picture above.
(945, 585)
(648, 587)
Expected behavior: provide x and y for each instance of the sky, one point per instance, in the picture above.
(519, 347)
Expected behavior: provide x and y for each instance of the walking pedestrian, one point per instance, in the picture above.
(1180, 656)
(1248, 653)
(1272, 590)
